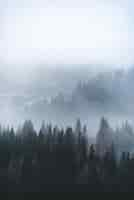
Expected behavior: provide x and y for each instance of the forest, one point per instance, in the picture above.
(63, 160)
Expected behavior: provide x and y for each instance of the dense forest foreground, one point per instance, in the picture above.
(56, 159)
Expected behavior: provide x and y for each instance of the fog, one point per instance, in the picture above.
(60, 94)
(48, 48)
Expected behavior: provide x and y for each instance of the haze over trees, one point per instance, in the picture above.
(45, 93)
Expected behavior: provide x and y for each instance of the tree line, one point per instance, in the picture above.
(56, 159)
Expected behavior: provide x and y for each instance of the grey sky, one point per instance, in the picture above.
(73, 31)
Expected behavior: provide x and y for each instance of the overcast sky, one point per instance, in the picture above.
(66, 31)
